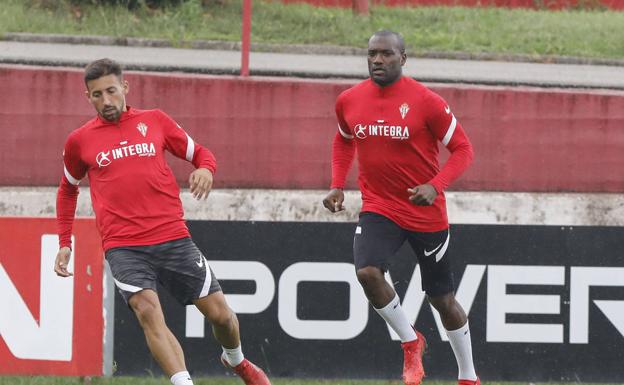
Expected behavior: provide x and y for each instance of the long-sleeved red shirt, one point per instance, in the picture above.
(395, 130)
(133, 191)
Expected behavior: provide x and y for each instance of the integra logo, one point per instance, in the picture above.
(103, 159)
(363, 131)
(360, 131)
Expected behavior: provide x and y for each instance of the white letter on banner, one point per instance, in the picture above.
(581, 278)
(240, 303)
(499, 304)
(321, 329)
(51, 337)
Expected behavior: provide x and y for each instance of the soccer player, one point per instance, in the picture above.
(395, 123)
(140, 218)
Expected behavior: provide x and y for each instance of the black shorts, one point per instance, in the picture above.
(377, 239)
(178, 265)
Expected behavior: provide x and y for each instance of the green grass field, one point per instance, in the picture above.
(164, 381)
(197, 381)
(585, 33)
(217, 381)
(222, 381)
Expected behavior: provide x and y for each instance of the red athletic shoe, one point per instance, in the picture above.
(413, 371)
(248, 372)
(469, 382)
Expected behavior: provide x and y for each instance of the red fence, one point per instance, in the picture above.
(548, 4)
(276, 132)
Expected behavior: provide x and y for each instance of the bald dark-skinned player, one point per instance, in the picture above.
(395, 123)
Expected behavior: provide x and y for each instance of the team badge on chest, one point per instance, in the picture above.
(142, 127)
(403, 110)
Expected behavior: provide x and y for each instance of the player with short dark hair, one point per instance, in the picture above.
(140, 218)
(395, 123)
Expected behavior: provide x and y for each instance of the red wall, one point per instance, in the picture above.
(276, 132)
(549, 4)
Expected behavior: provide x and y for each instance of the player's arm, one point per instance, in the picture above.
(445, 127)
(180, 144)
(66, 199)
(343, 152)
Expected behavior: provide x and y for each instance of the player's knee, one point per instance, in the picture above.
(147, 312)
(369, 276)
(444, 304)
(222, 318)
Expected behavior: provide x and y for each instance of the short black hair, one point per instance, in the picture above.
(102, 67)
(398, 36)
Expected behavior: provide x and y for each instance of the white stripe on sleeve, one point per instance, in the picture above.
(449, 132)
(190, 148)
(344, 134)
(69, 177)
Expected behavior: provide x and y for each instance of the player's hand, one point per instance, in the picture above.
(62, 262)
(200, 183)
(422, 195)
(333, 201)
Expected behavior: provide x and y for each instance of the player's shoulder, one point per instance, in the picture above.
(155, 117)
(153, 112)
(417, 87)
(355, 91)
(426, 94)
(85, 128)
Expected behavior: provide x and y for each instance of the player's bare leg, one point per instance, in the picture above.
(163, 345)
(377, 289)
(456, 324)
(451, 313)
(388, 305)
(223, 320)
(226, 330)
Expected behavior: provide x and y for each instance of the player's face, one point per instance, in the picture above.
(108, 96)
(384, 59)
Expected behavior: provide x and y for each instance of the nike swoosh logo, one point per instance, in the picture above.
(428, 253)
(447, 109)
(200, 263)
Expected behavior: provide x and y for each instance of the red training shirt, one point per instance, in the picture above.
(395, 130)
(133, 191)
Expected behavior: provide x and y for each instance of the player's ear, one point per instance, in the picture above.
(403, 58)
(88, 91)
(88, 95)
(126, 87)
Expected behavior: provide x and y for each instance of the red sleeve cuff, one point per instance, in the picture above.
(204, 158)
(437, 186)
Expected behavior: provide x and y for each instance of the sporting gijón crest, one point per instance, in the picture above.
(142, 127)
(403, 110)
